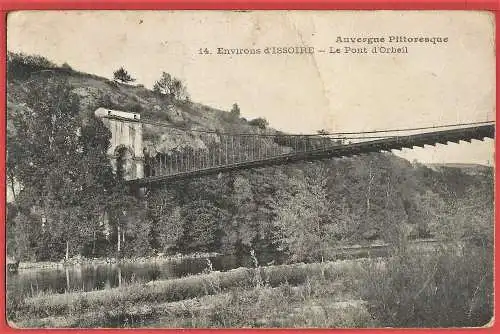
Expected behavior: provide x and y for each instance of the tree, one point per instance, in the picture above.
(171, 86)
(166, 212)
(162, 86)
(430, 213)
(136, 233)
(22, 236)
(235, 110)
(201, 228)
(63, 170)
(307, 223)
(171, 229)
(122, 75)
(260, 122)
(240, 226)
(123, 210)
(46, 130)
(179, 91)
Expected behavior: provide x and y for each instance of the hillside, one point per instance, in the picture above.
(304, 209)
(94, 92)
(470, 169)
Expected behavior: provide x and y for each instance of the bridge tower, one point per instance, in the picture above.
(126, 149)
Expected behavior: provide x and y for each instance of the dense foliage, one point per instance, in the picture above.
(306, 210)
(58, 157)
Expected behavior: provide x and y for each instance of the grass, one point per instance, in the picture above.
(317, 302)
(451, 287)
(68, 304)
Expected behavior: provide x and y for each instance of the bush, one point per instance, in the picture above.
(444, 289)
(106, 101)
(66, 66)
(259, 122)
(14, 305)
(134, 107)
(122, 75)
(20, 65)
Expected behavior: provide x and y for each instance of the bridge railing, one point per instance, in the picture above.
(228, 149)
(224, 149)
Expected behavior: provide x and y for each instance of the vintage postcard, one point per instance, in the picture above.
(294, 169)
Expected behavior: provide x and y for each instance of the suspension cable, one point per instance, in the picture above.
(341, 135)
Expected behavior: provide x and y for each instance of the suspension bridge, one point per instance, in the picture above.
(222, 152)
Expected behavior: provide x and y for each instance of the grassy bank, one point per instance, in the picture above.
(315, 303)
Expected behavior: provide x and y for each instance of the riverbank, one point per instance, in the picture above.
(376, 248)
(282, 285)
(102, 261)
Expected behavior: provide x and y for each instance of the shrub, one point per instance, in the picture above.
(134, 107)
(20, 65)
(106, 101)
(234, 311)
(14, 305)
(444, 289)
(112, 83)
(122, 75)
(259, 122)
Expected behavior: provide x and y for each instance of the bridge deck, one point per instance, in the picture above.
(346, 150)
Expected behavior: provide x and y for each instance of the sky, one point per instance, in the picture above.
(432, 84)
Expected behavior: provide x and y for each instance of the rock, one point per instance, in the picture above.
(87, 95)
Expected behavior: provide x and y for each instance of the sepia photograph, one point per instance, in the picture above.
(250, 169)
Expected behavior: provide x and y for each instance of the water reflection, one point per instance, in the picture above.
(104, 276)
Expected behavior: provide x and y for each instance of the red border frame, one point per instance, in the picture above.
(12, 5)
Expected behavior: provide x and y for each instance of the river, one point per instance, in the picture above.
(89, 277)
